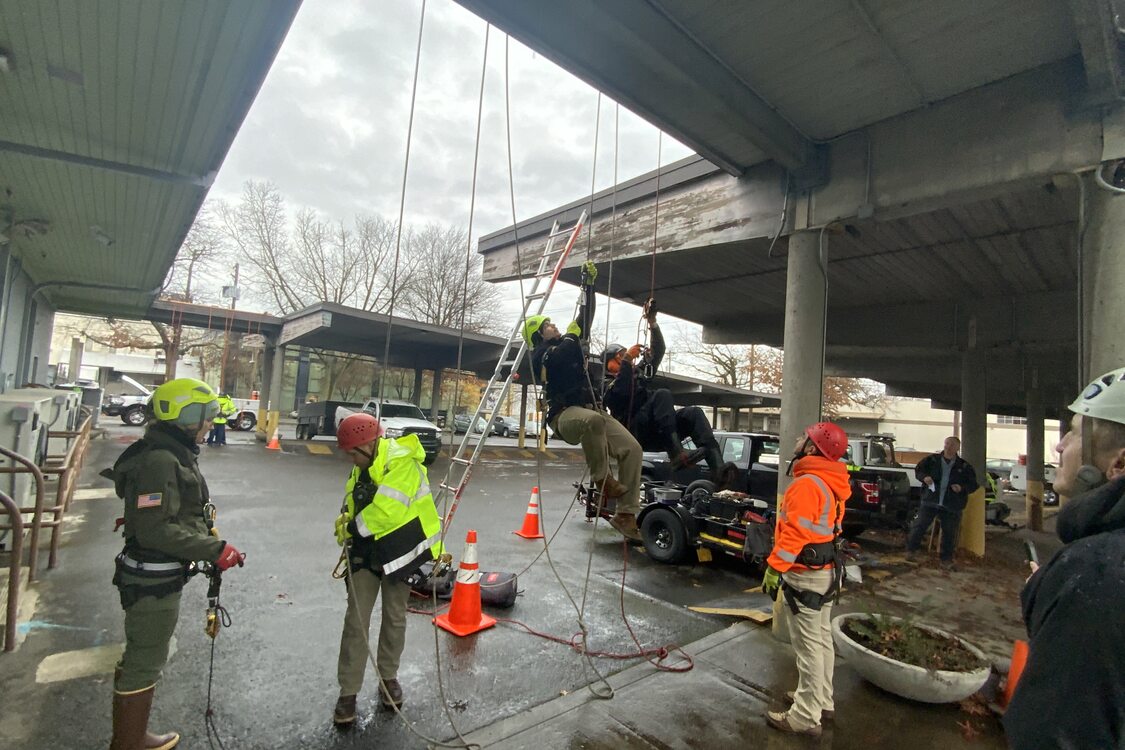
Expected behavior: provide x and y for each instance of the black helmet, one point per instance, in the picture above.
(611, 351)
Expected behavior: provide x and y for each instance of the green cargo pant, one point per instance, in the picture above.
(363, 589)
(602, 436)
(149, 624)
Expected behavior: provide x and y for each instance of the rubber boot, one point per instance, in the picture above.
(130, 723)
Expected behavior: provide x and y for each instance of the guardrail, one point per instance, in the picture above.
(63, 471)
(14, 572)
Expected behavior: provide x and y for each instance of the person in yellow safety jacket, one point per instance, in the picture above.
(389, 528)
(227, 409)
(806, 565)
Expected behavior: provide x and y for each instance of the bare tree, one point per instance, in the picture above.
(318, 260)
(449, 282)
(721, 363)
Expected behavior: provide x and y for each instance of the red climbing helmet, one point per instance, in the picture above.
(356, 430)
(829, 439)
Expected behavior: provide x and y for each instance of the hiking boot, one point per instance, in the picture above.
(610, 487)
(779, 720)
(626, 523)
(826, 716)
(345, 710)
(390, 693)
(130, 723)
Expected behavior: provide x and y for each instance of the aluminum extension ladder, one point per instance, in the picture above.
(466, 456)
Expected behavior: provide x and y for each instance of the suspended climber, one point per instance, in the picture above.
(169, 530)
(649, 413)
(559, 364)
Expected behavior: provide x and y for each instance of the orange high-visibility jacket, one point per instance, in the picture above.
(811, 511)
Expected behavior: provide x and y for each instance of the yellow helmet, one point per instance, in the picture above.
(531, 327)
(184, 401)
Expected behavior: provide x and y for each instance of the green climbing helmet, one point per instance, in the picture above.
(184, 401)
(531, 327)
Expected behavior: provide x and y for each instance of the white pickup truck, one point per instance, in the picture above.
(401, 418)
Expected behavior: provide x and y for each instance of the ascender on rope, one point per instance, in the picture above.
(212, 624)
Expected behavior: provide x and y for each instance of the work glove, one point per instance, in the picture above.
(650, 311)
(574, 328)
(634, 352)
(589, 273)
(342, 522)
(771, 583)
(230, 557)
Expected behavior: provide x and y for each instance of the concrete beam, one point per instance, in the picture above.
(645, 59)
(1095, 24)
(1009, 135)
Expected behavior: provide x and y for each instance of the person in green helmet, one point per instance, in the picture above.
(168, 524)
(558, 363)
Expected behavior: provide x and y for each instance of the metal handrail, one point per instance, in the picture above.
(14, 572)
(37, 517)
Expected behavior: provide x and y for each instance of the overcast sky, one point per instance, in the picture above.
(329, 125)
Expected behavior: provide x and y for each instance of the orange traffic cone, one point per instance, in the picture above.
(275, 442)
(464, 616)
(530, 528)
(1019, 661)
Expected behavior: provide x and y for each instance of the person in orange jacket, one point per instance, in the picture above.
(806, 566)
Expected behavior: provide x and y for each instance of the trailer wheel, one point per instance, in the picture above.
(664, 535)
(703, 487)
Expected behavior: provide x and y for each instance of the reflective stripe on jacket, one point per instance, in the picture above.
(812, 510)
(401, 518)
(227, 409)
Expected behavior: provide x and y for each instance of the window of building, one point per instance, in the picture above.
(1005, 419)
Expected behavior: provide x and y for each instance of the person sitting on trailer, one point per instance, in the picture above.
(649, 413)
(558, 363)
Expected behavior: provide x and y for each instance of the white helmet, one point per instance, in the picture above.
(1104, 398)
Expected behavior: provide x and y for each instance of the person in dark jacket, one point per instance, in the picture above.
(947, 481)
(169, 523)
(1072, 690)
(558, 362)
(650, 413)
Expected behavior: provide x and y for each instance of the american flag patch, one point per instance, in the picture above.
(149, 501)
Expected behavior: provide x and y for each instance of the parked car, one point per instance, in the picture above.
(461, 423)
(880, 494)
(130, 405)
(1001, 468)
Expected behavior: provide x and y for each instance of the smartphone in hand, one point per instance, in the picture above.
(1032, 554)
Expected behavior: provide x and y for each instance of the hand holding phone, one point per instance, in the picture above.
(1032, 554)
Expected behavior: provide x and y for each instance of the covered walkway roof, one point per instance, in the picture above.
(116, 118)
(936, 143)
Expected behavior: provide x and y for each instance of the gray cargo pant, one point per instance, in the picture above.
(363, 589)
(601, 436)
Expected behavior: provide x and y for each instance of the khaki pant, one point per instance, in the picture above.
(363, 589)
(810, 632)
(601, 436)
(149, 624)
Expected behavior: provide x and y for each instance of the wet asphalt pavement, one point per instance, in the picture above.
(275, 666)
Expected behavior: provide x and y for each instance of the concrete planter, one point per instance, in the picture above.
(916, 683)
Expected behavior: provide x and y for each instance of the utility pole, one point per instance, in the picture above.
(233, 293)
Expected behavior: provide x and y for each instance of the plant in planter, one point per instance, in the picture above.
(916, 661)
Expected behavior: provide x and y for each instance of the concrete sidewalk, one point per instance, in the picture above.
(739, 672)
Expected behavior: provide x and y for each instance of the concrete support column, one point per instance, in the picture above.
(734, 418)
(301, 386)
(275, 371)
(416, 391)
(974, 441)
(714, 417)
(74, 371)
(802, 375)
(1036, 415)
(523, 413)
(435, 397)
(1103, 278)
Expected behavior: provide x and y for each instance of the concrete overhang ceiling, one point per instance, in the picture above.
(742, 82)
(114, 118)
